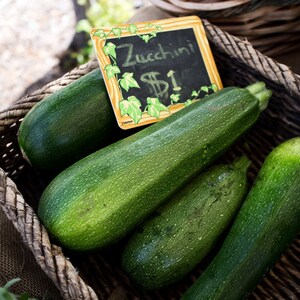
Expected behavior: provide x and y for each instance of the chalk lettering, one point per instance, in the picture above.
(127, 62)
(165, 54)
(161, 54)
(191, 46)
(150, 57)
(157, 87)
(173, 79)
(181, 50)
(140, 59)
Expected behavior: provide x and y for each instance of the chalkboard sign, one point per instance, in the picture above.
(153, 69)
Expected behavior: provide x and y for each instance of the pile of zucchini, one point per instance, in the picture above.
(154, 182)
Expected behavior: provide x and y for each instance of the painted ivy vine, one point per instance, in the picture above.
(195, 95)
(132, 105)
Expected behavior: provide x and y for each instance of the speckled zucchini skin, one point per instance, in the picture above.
(266, 224)
(183, 231)
(68, 125)
(99, 199)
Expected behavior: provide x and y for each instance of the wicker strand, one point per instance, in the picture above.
(208, 6)
(244, 51)
(213, 9)
(48, 256)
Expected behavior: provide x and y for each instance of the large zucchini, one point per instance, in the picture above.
(266, 224)
(183, 231)
(102, 197)
(68, 124)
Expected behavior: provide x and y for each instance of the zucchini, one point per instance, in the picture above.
(99, 199)
(184, 230)
(68, 124)
(266, 224)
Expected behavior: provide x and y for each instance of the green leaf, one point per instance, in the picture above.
(117, 31)
(158, 27)
(83, 26)
(146, 38)
(175, 97)
(131, 107)
(188, 102)
(11, 282)
(24, 296)
(100, 33)
(214, 87)
(153, 33)
(155, 107)
(111, 70)
(6, 295)
(128, 81)
(194, 93)
(204, 89)
(110, 49)
(132, 28)
(81, 2)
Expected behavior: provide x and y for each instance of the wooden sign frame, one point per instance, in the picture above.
(145, 30)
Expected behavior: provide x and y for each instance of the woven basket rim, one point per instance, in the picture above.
(216, 6)
(68, 280)
(207, 6)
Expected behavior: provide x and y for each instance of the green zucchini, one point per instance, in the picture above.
(68, 124)
(184, 230)
(99, 199)
(268, 221)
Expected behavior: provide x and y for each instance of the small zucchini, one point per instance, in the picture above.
(267, 223)
(184, 230)
(68, 125)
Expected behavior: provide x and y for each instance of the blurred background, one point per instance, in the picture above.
(42, 40)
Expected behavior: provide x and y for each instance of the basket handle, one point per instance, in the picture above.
(204, 6)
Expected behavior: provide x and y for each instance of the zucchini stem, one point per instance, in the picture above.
(260, 91)
(242, 163)
(256, 87)
(263, 98)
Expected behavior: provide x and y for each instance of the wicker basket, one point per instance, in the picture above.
(98, 275)
(273, 27)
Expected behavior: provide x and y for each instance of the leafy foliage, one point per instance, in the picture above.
(5, 294)
(188, 102)
(132, 28)
(194, 95)
(101, 13)
(117, 31)
(110, 49)
(174, 98)
(154, 107)
(206, 89)
(100, 33)
(145, 38)
(128, 81)
(131, 107)
(111, 70)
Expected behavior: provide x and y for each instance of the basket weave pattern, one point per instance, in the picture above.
(273, 27)
(239, 64)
